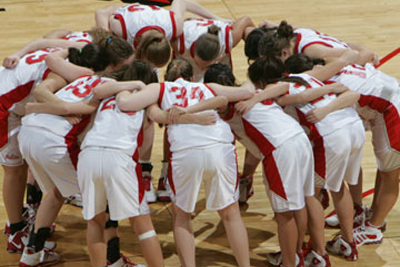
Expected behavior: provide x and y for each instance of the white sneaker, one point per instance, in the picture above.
(358, 219)
(338, 246)
(275, 259)
(75, 199)
(42, 258)
(124, 262)
(150, 192)
(164, 189)
(368, 234)
(313, 259)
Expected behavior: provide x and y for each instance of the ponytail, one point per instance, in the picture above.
(179, 68)
(274, 42)
(207, 46)
(154, 48)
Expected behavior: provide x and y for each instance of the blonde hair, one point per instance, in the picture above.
(154, 48)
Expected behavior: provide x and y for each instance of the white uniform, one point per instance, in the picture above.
(192, 30)
(136, 19)
(49, 143)
(199, 152)
(288, 163)
(15, 91)
(107, 168)
(379, 105)
(307, 37)
(84, 37)
(338, 138)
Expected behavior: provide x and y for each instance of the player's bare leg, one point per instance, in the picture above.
(316, 224)
(344, 208)
(95, 240)
(287, 235)
(183, 236)
(237, 234)
(143, 227)
(356, 190)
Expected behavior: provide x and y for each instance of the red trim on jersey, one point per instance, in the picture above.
(390, 115)
(121, 20)
(227, 35)
(316, 81)
(231, 112)
(181, 44)
(319, 148)
(170, 176)
(138, 168)
(174, 30)
(211, 90)
(296, 46)
(145, 29)
(269, 164)
(192, 49)
(46, 73)
(6, 102)
(315, 42)
(71, 139)
(237, 166)
(161, 95)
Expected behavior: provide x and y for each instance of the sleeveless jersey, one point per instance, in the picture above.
(267, 126)
(114, 128)
(16, 84)
(136, 19)
(84, 37)
(333, 121)
(192, 30)
(183, 136)
(77, 91)
(307, 37)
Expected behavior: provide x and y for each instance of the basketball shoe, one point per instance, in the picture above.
(368, 234)
(338, 246)
(313, 259)
(45, 257)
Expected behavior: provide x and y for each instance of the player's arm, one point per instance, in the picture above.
(102, 16)
(128, 101)
(345, 99)
(239, 27)
(44, 92)
(12, 60)
(63, 108)
(112, 88)
(70, 72)
(311, 94)
(57, 34)
(245, 91)
(161, 116)
(366, 55)
(270, 92)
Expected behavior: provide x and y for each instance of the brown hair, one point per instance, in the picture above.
(117, 49)
(91, 56)
(179, 68)
(98, 34)
(272, 43)
(207, 45)
(137, 70)
(154, 48)
(270, 69)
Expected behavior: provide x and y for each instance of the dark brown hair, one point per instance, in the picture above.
(118, 49)
(207, 46)
(270, 69)
(252, 40)
(154, 48)
(221, 74)
(90, 56)
(273, 42)
(298, 63)
(137, 70)
(179, 68)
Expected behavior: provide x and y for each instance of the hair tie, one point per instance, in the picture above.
(80, 51)
(109, 40)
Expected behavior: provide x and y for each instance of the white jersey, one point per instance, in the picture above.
(84, 37)
(332, 122)
(136, 19)
(77, 91)
(183, 136)
(192, 30)
(16, 84)
(307, 37)
(114, 128)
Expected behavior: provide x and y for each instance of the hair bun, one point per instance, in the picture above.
(213, 29)
(285, 30)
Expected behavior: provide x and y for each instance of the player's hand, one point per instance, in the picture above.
(73, 119)
(174, 113)
(243, 107)
(338, 88)
(206, 117)
(10, 62)
(30, 108)
(317, 114)
(375, 59)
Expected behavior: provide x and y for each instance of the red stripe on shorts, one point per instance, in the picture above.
(71, 139)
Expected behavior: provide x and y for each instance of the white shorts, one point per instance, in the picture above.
(338, 156)
(289, 174)
(9, 148)
(387, 150)
(110, 176)
(216, 165)
(48, 159)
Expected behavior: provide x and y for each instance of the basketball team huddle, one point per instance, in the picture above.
(77, 115)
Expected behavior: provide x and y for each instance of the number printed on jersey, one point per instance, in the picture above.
(138, 7)
(83, 87)
(38, 56)
(111, 104)
(182, 95)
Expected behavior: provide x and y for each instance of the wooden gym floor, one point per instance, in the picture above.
(372, 23)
